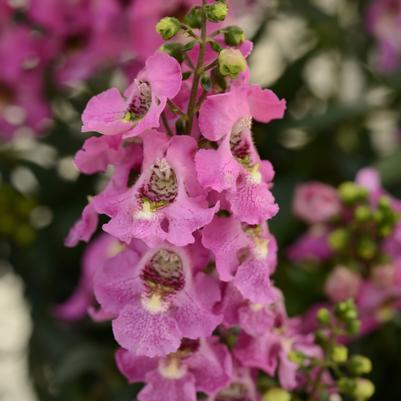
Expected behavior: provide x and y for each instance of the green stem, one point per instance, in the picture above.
(197, 74)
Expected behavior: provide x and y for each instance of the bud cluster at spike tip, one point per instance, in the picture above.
(183, 267)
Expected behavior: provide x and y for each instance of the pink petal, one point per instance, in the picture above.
(104, 113)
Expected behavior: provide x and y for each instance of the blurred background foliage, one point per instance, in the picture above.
(342, 115)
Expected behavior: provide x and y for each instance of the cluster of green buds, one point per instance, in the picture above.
(16, 210)
(229, 62)
(346, 370)
(364, 226)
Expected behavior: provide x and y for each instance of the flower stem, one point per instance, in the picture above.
(197, 73)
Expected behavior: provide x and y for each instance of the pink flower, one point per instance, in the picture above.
(244, 254)
(311, 246)
(198, 365)
(383, 20)
(342, 284)
(145, 99)
(84, 227)
(316, 202)
(159, 206)
(156, 299)
(270, 352)
(253, 318)
(235, 166)
(242, 387)
(82, 299)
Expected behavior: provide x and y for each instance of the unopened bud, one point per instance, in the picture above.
(194, 17)
(276, 394)
(323, 316)
(350, 193)
(364, 389)
(231, 63)
(338, 239)
(339, 354)
(360, 365)
(168, 27)
(362, 213)
(216, 12)
(234, 36)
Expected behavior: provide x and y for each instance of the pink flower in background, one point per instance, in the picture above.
(311, 246)
(315, 202)
(342, 284)
(383, 20)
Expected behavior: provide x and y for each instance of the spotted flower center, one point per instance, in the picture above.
(236, 392)
(163, 275)
(140, 102)
(239, 142)
(161, 188)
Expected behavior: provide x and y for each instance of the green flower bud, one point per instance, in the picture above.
(346, 310)
(338, 239)
(174, 50)
(363, 213)
(320, 337)
(346, 385)
(231, 63)
(339, 354)
(216, 12)
(168, 27)
(296, 357)
(351, 193)
(194, 17)
(276, 394)
(353, 327)
(364, 389)
(360, 365)
(234, 36)
(323, 316)
(366, 248)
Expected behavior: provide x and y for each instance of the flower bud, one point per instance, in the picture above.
(174, 50)
(276, 394)
(194, 17)
(360, 365)
(339, 354)
(353, 327)
(351, 193)
(366, 248)
(296, 357)
(231, 63)
(364, 389)
(346, 385)
(323, 316)
(362, 213)
(338, 239)
(234, 36)
(216, 12)
(168, 27)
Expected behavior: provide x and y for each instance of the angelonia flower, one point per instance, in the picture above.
(356, 244)
(183, 268)
(383, 21)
